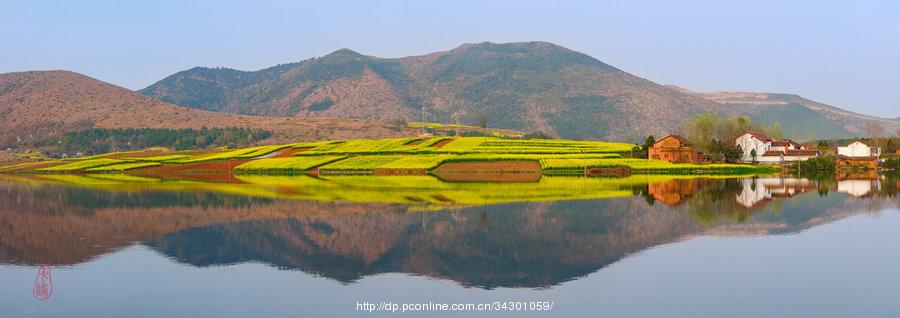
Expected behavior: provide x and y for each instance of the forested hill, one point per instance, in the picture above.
(533, 86)
(530, 86)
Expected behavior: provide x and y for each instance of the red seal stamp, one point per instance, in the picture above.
(43, 283)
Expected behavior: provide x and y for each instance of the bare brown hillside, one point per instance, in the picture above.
(42, 102)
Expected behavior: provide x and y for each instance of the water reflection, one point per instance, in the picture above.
(483, 235)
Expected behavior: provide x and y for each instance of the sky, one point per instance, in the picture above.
(843, 54)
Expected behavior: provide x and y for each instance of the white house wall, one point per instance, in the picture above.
(747, 143)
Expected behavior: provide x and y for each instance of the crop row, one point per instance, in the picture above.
(287, 164)
(123, 166)
(82, 164)
(233, 154)
(162, 158)
(427, 162)
(465, 145)
(360, 163)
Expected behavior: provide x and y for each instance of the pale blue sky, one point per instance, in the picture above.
(847, 55)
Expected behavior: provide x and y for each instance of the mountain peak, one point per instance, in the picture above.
(512, 47)
(344, 53)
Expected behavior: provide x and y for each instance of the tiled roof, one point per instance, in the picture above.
(859, 141)
(758, 135)
(790, 152)
(676, 137)
(801, 152)
(785, 143)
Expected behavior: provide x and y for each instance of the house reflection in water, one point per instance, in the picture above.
(859, 188)
(757, 192)
(673, 192)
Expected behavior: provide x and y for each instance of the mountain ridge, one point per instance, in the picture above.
(528, 86)
(534, 86)
(37, 103)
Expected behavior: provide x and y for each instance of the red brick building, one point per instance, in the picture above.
(673, 148)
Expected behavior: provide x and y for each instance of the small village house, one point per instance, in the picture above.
(858, 149)
(768, 150)
(787, 150)
(751, 143)
(673, 148)
(858, 153)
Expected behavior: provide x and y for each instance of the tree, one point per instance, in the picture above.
(776, 131)
(703, 129)
(875, 131)
(753, 155)
(649, 142)
(734, 154)
(482, 119)
(645, 148)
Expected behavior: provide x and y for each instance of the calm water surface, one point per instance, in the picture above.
(295, 246)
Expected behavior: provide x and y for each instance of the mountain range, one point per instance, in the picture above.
(529, 86)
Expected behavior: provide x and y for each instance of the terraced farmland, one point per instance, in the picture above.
(399, 156)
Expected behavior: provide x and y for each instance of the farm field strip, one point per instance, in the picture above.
(123, 166)
(290, 164)
(232, 154)
(162, 158)
(427, 162)
(360, 163)
(82, 164)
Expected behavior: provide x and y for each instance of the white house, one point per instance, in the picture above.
(858, 188)
(858, 149)
(751, 141)
(769, 150)
(760, 191)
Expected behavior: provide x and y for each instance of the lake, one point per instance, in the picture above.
(298, 246)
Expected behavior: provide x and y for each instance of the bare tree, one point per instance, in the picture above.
(875, 131)
(482, 119)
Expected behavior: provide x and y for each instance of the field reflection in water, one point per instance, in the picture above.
(488, 235)
(351, 238)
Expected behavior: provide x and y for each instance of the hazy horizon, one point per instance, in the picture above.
(841, 56)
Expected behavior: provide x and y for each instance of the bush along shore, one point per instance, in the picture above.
(398, 156)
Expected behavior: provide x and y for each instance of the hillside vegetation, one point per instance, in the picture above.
(534, 86)
(530, 87)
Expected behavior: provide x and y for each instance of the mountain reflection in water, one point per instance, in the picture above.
(483, 235)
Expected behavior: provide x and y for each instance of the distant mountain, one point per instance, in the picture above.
(802, 118)
(533, 86)
(43, 102)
